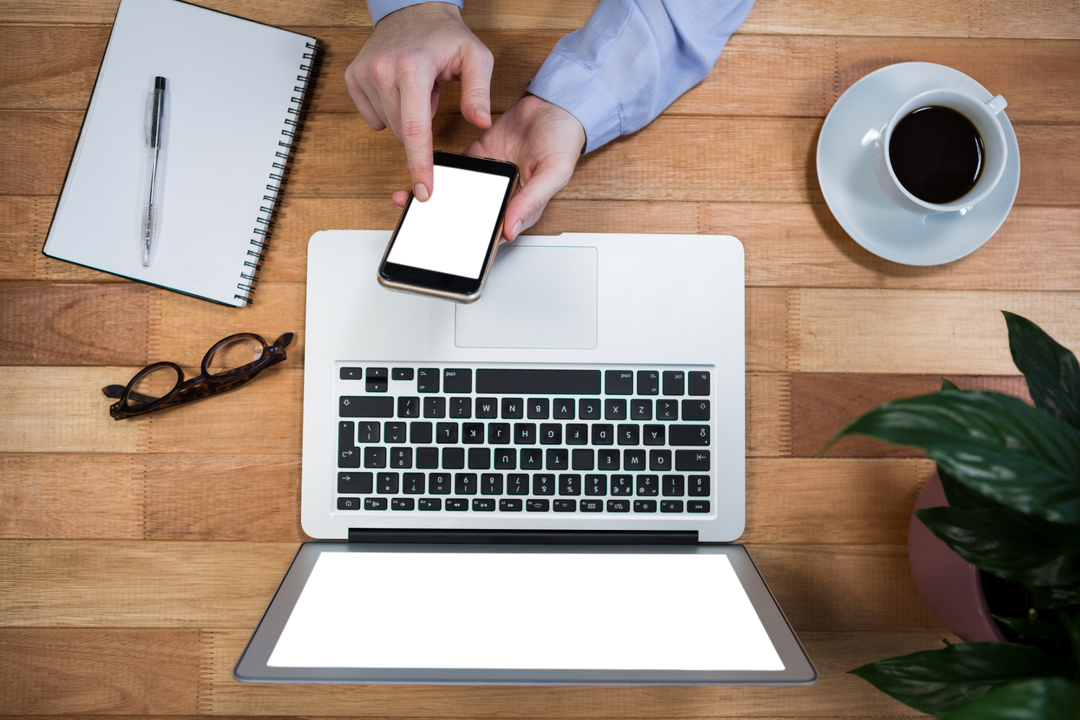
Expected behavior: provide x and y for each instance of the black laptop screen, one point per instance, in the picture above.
(541, 611)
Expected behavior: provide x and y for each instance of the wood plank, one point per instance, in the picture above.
(836, 694)
(901, 18)
(140, 672)
(225, 497)
(339, 156)
(215, 585)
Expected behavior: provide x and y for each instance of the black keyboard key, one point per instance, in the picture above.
(420, 433)
(622, 485)
(560, 505)
(634, 460)
(464, 484)
(614, 409)
(667, 410)
(348, 503)
(472, 433)
(378, 373)
(480, 458)
(483, 504)
(697, 382)
(648, 382)
(376, 380)
(446, 433)
(691, 460)
(557, 459)
(589, 409)
(435, 407)
(660, 460)
(413, 484)
(401, 458)
(457, 504)
(550, 434)
(505, 459)
(699, 486)
(402, 503)
(537, 505)
(517, 484)
(695, 410)
(673, 485)
(524, 433)
(603, 434)
(645, 506)
(395, 432)
(348, 453)
(607, 460)
(439, 483)
(368, 432)
(375, 457)
(582, 459)
(513, 408)
(491, 484)
(362, 406)
(538, 382)
(457, 380)
(671, 506)
(453, 458)
(427, 380)
(562, 409)
(429, 504)
(629, 435)
(538, 408)
(427, 458)
(543, 484)
(640, 409)
(373, 503)
(569, 484)
(648, 485)
(498, 433)
(531, 458)
(509, 505)
(401, 374)
(386, 483)
(697, 506)
(596, 484)
(408, 407)
(358, 483)
(654, 434)
(461, 408)
(577, 434)
(683, 435)
(487, 408)
(351, 373)
(619, 382)
(674, 382)
(618, 506)
(592, 506)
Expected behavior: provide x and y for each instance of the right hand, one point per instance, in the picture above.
(394, 80)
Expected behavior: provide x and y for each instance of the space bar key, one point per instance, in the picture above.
(540, 382)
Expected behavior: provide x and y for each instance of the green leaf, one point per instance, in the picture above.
(935, 681)
(994, 444)
(961, 496)
(948, 385)
(1041, 699)
(1051, 370)
(1054, 598)
(1034, 628)
(1008, 544)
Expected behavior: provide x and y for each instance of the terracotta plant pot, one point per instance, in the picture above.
(950, 586)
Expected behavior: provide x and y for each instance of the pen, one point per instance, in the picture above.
(154, 139)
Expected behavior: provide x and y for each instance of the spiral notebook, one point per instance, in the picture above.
(236, 95)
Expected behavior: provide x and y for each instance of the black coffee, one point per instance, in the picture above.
(936, 153)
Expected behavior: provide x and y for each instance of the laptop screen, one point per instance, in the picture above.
(602, 611)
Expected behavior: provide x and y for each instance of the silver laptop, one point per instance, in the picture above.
(538, 487)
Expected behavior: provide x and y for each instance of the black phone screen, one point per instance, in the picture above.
(453, 232)
(532, 610)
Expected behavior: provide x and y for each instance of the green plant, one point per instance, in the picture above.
(1011, 473)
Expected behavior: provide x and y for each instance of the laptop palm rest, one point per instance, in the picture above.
(536, 297)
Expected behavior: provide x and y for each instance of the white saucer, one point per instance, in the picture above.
(845, 168)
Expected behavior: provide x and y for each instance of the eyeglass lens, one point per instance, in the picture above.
(153, 385)
(233, 354)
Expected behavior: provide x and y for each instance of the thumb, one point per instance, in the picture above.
(476, 87)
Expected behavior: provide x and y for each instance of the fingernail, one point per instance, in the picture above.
(516, 230)
(420, 192)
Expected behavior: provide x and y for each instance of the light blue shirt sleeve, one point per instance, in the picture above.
(634, 58)
(378, 9)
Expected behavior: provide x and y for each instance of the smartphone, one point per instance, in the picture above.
(445, 246)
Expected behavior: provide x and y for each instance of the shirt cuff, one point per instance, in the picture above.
(378, 9)
(565, 83)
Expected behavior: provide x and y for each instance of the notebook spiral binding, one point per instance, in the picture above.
(279, 176)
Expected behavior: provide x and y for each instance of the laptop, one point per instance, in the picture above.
(542, 487)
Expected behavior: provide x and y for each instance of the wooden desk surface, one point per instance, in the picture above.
(137, 557)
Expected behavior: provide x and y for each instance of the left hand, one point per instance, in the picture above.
(545, 142)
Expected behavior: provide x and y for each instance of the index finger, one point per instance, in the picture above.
(415, 131)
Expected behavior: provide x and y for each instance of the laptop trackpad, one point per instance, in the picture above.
(536, 297)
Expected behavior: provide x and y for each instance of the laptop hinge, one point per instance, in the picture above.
(522, 537)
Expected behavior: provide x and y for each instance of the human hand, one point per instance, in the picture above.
(394, 80)
(545, 142)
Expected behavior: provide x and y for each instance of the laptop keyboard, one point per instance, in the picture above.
(524, 440)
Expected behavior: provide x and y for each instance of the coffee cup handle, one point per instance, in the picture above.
(997, 104)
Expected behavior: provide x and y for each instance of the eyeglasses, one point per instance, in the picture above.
(232, 362)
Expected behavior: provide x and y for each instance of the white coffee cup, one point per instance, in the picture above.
(982, 115)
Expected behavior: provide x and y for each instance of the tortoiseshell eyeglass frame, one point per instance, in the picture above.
(197, 388)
